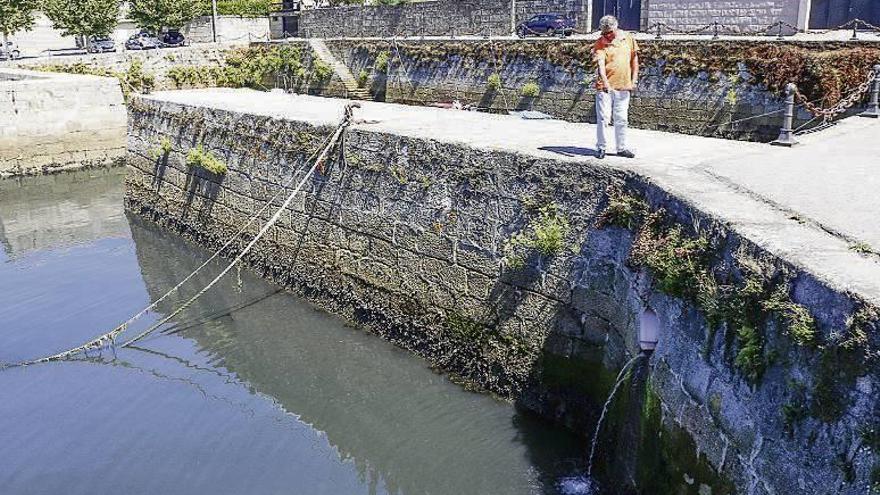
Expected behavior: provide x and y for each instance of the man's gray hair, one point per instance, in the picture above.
(608, 23)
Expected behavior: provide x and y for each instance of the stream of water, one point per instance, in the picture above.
(251, 391)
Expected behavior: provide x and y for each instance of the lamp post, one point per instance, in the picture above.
(214, 20)
(513, 17)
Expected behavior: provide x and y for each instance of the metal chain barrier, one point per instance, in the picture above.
(841, 106)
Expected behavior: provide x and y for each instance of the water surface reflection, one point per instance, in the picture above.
(250, 391)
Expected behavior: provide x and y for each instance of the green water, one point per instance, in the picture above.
(252, 391)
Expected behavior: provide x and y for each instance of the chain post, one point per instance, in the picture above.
(715, 27)
(659, 36)
(873, 110)
(786, 133)
(779, 32)
(855, 36)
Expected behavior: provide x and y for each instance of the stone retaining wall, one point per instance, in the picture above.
(429, 72)
(56, 121)
(154, 62)
(411, 239)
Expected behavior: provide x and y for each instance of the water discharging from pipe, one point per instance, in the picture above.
(584, 485)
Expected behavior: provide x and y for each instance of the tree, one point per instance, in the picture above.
(83, 18)
(15, 16)
(153, 15)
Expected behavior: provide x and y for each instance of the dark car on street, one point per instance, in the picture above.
(173, 39)
(142, 41)
(101, 44)
(546, 25)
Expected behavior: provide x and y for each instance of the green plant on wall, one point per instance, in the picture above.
(623, 210)
(321, 70)
(247, 67)
(381, 63)
(798, 322)
(530, 90)
(493, 83)
(544, 234)
(162, 150)
(681, 265)
(198, 157)
(363, 78)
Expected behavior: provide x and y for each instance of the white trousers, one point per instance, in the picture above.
(612, 104)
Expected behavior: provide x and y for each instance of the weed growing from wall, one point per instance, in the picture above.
(530, 90)
(363, 78)
(198, 157)
(623, 210)
(681, 265)
(381, 63)
(321, 70)
(161, 150)
(493, 83)
(545, 235)
(253, 67)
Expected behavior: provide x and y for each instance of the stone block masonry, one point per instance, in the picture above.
(434, 18)
(58, 121)
(691, 101)
(423, 230)
(735, 15)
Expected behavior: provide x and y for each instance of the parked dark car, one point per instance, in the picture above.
(173, 39)
(546, 24)
(142, 41)
(101, 44)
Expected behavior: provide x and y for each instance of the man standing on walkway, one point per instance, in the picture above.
(617, 54)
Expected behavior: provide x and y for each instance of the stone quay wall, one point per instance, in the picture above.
(434, 18)
(58, 121)
(410, 238)
(153, 62)
(702, 103)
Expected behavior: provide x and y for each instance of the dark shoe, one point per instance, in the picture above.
(600, 154)
(626, 154)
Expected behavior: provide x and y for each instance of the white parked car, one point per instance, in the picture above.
(11, 52)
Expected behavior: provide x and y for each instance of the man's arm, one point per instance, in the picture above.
(600, 60)
(634, 65)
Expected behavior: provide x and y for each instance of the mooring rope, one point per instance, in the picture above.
(109, 338)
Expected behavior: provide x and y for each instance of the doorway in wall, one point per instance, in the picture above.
(628, 12)
(826, 14)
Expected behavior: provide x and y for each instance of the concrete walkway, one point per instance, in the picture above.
(808, 204)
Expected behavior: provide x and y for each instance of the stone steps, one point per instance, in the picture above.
(352, 88)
